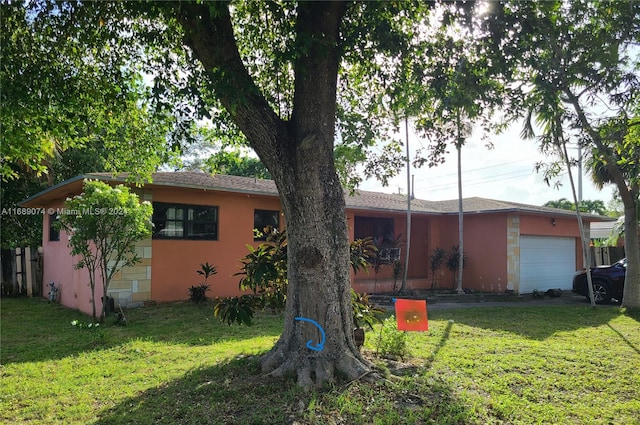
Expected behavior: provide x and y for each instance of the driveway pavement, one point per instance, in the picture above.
(528, 301)
(463, 301)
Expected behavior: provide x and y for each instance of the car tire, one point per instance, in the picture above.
(601, 292)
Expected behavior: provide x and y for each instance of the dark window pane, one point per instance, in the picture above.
(54, 235)
(265, 218)
(374, 227)
(201, 230)
(200, 214)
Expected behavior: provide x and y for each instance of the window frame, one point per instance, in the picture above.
(186, 220)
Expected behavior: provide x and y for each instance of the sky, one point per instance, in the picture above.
(504, 173)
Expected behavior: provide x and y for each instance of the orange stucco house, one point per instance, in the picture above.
(203, 218)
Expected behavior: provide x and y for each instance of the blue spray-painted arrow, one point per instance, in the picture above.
(310, 344)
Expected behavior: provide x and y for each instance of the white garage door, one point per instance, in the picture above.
(546, 263)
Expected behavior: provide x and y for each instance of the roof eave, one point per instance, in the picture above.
(30, 201)
(560, 213)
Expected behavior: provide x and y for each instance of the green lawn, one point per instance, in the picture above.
(177, 364)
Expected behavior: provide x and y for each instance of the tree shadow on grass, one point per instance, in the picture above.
(236, 392)
(633, 313)
(229, 393)
(35, 330)
(443, 340)
(532, 322)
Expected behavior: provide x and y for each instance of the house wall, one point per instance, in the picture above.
(169, 265)
(485, 238)
(484, 245)
(131, 286)
(419, 255)
(445, 231)
(58, 267)
(532, 225)
(513, 251)
(175, 262)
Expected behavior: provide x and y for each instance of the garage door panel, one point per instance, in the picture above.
(546, 263)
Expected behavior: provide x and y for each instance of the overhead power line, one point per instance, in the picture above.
(468, 182)
(454, 174)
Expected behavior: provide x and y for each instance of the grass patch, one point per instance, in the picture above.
(176, 363)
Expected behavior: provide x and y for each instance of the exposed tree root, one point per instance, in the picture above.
(317, 369)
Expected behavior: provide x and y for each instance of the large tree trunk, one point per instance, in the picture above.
(299, 156)
(314, 207)
(319, 281)
(631, 296)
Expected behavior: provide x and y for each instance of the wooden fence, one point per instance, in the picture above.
(21, 272)
(604, 255)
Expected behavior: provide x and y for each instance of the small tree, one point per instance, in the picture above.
(386, 252)
(453, 261)
(103, 224)
(198, 294)
(435, 260)
(264, 270)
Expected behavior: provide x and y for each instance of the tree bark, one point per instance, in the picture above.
(299, 156)
(631, 295)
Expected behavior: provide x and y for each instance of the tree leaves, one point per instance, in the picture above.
(103, 223)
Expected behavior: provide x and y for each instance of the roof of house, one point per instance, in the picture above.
(360, 200)
(605, 230)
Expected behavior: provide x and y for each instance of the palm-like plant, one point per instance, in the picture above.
(435, 261)
(454, 261)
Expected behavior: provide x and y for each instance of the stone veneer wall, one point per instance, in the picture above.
(513, 252)
(131, 286)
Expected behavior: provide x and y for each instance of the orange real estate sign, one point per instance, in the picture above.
(411, 315)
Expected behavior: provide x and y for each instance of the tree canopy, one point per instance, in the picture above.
(103, 224)
(586, 206)
(64, 88)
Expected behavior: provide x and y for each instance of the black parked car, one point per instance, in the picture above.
(608, 282)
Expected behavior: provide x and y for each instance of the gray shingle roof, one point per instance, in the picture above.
(360, 200)
(483, 205)
(199, 180)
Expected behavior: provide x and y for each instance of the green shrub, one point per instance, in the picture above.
(364, 311)
(237, 309)
(362, 253)
(198, 293)
(436, 259)
(392, 343)
(264, 270)
(453, 261)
